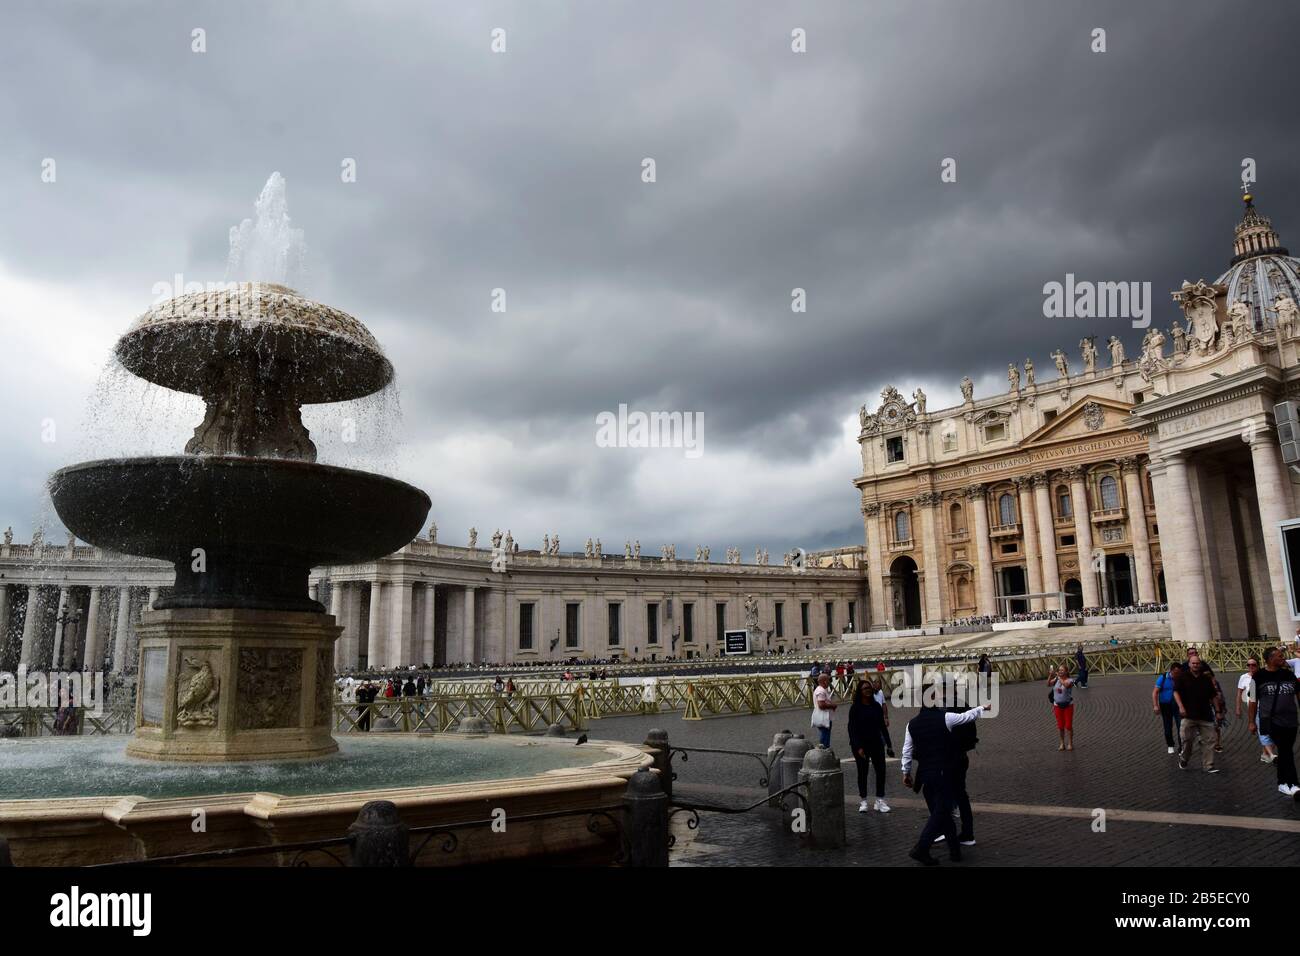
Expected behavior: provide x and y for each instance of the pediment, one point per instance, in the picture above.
(1090, 415)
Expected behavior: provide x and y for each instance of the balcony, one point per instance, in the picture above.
(1104, 516)
(1005, 530)
(901, 545)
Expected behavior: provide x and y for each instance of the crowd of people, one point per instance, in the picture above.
(1193, 709)
(1077, 614)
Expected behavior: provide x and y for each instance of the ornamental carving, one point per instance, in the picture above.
(324, 687)
(270, 688)
(871, 510)
(894, 413)
(1093, 416)
(928, 498)
(1198, 304)
(197, 692)
(1040, 479)
(976, 492)
(1072, 473)
(1129, 463)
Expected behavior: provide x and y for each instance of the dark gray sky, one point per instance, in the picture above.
(522, 170)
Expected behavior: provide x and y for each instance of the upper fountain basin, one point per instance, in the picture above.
(261, 524)
(193, 341)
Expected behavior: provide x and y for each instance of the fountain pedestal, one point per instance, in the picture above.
(227, 684)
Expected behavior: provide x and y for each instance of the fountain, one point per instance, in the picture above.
(237, 663)
(235, 668)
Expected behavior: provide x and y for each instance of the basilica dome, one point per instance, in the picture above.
(1261, 268)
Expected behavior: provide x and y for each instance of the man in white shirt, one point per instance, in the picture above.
(929, 741)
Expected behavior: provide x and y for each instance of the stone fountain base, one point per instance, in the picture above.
(233, 684)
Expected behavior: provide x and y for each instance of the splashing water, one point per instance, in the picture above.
(268, 249)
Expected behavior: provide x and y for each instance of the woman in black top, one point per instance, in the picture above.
(866, 726)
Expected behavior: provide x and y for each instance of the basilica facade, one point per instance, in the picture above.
(1132, 481)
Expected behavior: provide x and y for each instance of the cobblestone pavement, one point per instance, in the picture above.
(1033, 804)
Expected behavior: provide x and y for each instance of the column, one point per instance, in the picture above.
(1029, 534)
(153, 599)
(56, 658)
(467, 648)
(1083, 535)
(352, 625)
(1274, 507)
(1178, 527)
(377, 655)
(313, 590)
(1144, 580)
(29, 625)
(976, 495)
(929, 504)
(430, 608)
(93, 658)
(336, 611)
(1047, 540)
(123, 629)
(875, 567)
(399, 624)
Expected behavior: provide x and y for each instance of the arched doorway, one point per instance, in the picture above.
(1073, 594)
(905, 606)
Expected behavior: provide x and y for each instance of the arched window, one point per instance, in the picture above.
(902, 527)
(1109, 492)
(1006, 510)
(963, 592)
(956, 519)
(1063, 507)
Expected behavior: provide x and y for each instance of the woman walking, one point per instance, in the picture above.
(1062, 693)
(823, 708)
(1163, 703)
(866, 738)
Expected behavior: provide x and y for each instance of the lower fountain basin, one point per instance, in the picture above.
(82, 801)
(241, 532)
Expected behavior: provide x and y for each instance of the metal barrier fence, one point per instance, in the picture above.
(43, 722)
(579, 703)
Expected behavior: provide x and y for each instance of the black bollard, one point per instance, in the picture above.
(645, 820)
(379, 837)
(656, 741)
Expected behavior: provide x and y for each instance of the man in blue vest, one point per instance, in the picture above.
(930, 742)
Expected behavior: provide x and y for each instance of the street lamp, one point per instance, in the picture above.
(65, 618)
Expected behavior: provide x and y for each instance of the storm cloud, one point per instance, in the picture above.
(522, 171)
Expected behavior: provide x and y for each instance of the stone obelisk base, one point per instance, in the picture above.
(231, 684)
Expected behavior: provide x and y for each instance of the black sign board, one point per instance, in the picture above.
(735, 642)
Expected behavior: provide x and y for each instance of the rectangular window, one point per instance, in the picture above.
(780, 619)
(894, 449)
(803, 616)
(1138, 398)
(571, 632)
(526, 626)
(720, 620)
(853, 616)
(1010, 548)
(615, 625)
(950, 441)
(995, 432)
(1067, 541)
(1049, 415)
(830, 617)
(688, 623)
(652, 623)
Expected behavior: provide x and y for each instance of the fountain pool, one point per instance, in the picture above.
(46, 768)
